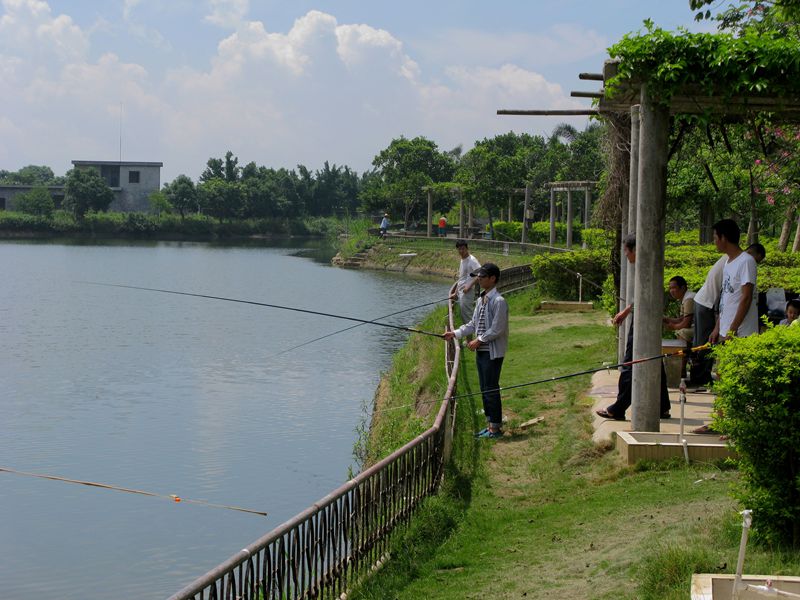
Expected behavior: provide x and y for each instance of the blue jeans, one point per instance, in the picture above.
(489, 380)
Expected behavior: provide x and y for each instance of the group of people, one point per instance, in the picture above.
(723, 307)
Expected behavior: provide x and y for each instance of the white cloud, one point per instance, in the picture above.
(227, 13)
(319, 91)
(28, 27)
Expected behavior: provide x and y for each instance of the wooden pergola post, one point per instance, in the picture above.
(552, 217)
(461, 215)
(510, 213)
(630, 221)
(649, 283)
(430, 212)
(569, 218)
(525, 213)
(587, 207)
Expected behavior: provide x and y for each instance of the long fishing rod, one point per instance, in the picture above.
(265, 304)
(116, 488)
(322, 337)
(373, 321)
(557, 378)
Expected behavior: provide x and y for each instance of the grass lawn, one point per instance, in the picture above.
(545, 513)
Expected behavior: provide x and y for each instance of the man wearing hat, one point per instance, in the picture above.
(489, 323)
(384, 224)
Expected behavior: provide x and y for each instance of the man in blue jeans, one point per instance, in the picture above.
(489, 323)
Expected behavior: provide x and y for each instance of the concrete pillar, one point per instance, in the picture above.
(587, 207)
(461, 230)
(649, 283)
(525, 213)
(569, 218)
(633, 193)
(470, 216)
(430, 212)
(552, 217)
(510, 213)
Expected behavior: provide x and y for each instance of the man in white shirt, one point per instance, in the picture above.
(465, 286)
(738, 313)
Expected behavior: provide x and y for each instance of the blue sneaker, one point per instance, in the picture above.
(482, 432)
(492, 435)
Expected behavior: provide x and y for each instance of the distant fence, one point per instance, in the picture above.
(327, 548)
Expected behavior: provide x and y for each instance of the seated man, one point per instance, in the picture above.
(682, 325)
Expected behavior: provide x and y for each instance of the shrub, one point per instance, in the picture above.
(507, 230)
(37, 201)
(759, 403)
(556, 274)
(598, 239)
(539, 233)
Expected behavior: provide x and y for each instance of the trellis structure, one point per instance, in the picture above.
(570, 186)
(644, 213)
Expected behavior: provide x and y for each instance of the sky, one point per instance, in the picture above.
(283, 82)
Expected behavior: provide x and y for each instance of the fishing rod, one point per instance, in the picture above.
(516, 289)
(374, 322)
(106, 486)
(558, 377)
(265, 304)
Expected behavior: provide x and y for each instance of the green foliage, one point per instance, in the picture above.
(509, 231)
(556, 277)
(182, 195)
(718, 64)
(37, 201)
(159, 203)
(598, 239)
(539, 233)
(30, 175)
(608, 299)
(758, 397)
(85, 190)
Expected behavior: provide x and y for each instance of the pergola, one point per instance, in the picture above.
(569, 187)
(646, 203)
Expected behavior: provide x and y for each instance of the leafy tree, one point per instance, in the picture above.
(159, 203)
(215, 169)
(86, 190)
(221, 199)
(182, 195)
(37, 201)
(30, 175)
(402, 170)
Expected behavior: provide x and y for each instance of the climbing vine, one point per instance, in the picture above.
(719, 64)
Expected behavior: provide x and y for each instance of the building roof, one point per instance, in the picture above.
(121, 163)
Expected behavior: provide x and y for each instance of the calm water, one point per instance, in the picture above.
(173, 395)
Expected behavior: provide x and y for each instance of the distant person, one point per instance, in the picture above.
(625, 385)
(465, 286)
(738, 312)
(682, 324)
(489, 323)
(792, 312)
(384, 224)
(442, 226)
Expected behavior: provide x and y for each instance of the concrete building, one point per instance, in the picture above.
(131, 182)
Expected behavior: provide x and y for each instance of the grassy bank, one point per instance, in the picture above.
(546, 512)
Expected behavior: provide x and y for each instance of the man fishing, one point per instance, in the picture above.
(465, 290)
(489, 323)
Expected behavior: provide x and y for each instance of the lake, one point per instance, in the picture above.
(175, 395)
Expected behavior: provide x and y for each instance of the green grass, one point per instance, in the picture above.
(546, 512)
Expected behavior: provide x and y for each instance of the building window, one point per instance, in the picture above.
(2, 203)
(133, 176)
(111, 174)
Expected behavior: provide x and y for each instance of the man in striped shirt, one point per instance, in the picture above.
(489, 323)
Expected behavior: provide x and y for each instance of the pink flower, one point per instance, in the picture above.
(758, 190)
(758, 161)
(786, 190)
(770, 199)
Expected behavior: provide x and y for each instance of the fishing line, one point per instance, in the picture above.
(292, 308)
(556, 378)
(106, 486)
